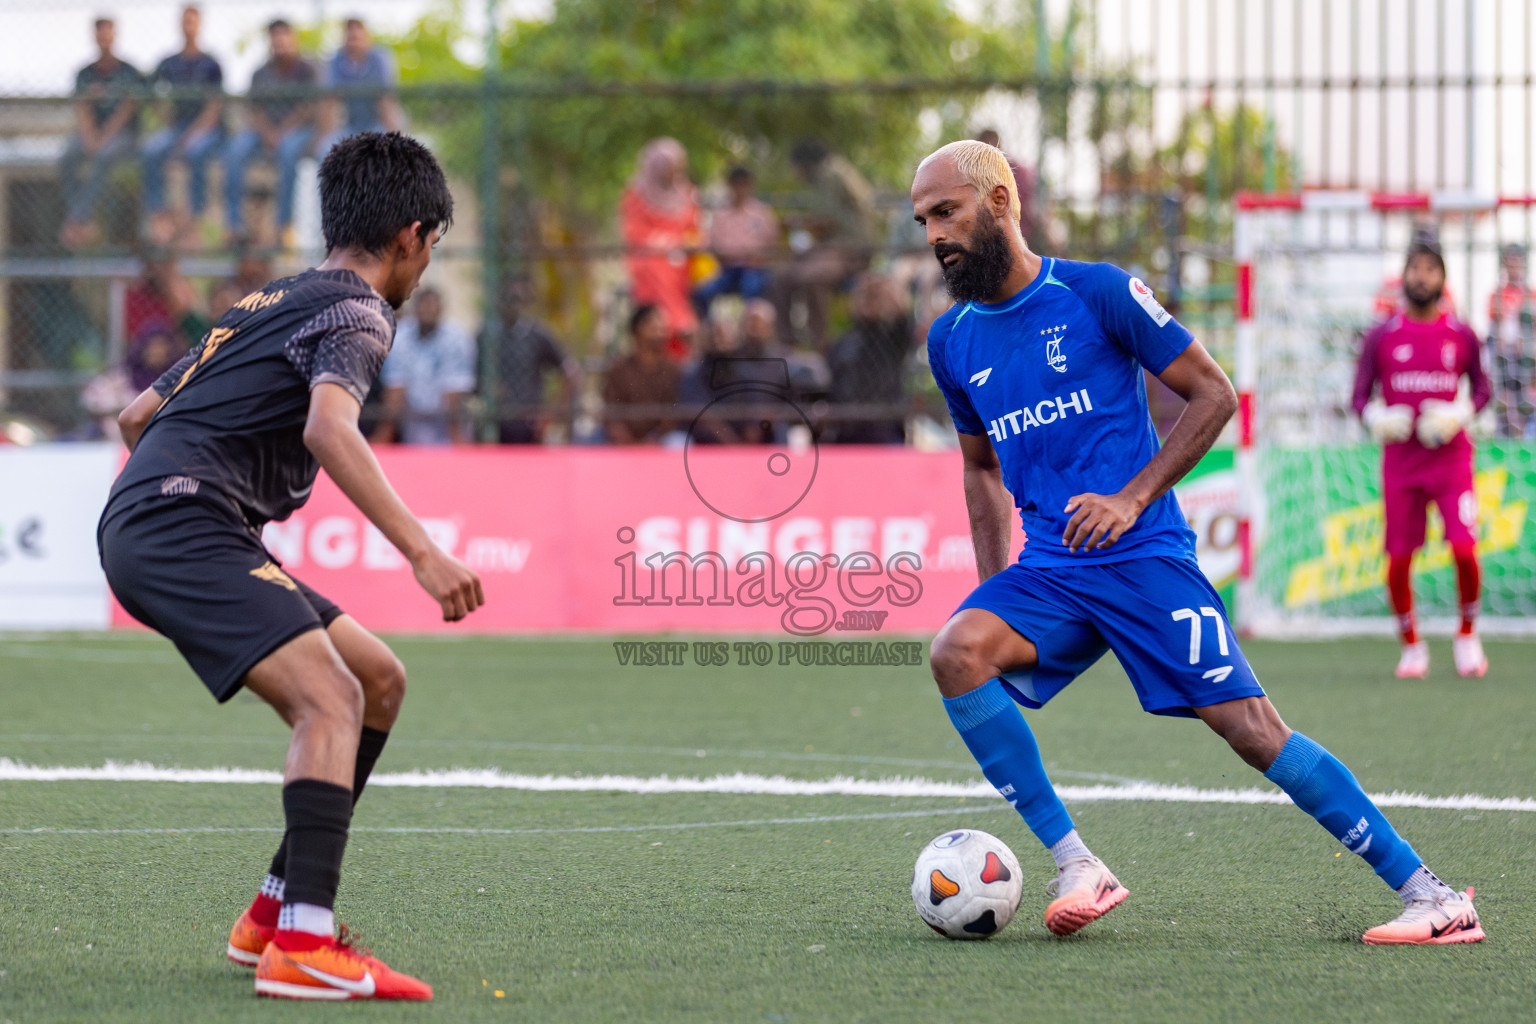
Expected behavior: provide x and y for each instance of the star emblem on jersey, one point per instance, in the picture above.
(1053, 356)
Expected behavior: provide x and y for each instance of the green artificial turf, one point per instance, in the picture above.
(596, 906)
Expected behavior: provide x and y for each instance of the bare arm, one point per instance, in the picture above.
(85, 124)
(132, 420)
(115, 123)
(331, 433)
(1098, 520)
(453, 408)
(988, 503)
(389, 424)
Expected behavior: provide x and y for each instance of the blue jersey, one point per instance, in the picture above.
(1053, 377)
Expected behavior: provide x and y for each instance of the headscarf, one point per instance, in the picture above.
(655, 167)
(140, 373)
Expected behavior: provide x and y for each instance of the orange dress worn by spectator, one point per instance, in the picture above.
(659, 221)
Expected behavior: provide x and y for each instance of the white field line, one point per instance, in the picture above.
(737, 783)
(932, 812)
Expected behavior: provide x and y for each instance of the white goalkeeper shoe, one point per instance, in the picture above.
(1467, 650)
(1414, 664)
(1433, 921)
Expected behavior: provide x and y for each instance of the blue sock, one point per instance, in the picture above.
(1000, 740)
(1319, 784)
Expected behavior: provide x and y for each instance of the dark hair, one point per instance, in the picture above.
(740, 173)
(373, 184)
(642, 313)
(809, 153)
(277, 23)
(103, 20)
(1426, 242)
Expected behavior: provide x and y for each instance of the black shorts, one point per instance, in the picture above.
(191, 569)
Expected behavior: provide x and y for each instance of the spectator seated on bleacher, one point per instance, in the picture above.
(659, 222)
(743, 238)
(106, 134)
(362, 75)
(868, 364)
(523, 353)
(428, 376)
(641, 388)
(280, 124)
(842, 227)
(193, 129)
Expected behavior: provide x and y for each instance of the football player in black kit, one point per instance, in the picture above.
(230, 438)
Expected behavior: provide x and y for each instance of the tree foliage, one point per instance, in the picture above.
(831, 69)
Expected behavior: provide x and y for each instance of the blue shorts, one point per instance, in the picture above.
(1160, 615)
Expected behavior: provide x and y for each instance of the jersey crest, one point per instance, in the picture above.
(1053, 355)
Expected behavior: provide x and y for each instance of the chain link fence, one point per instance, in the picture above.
(603, 285)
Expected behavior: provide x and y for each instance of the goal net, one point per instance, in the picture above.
(1314, 272)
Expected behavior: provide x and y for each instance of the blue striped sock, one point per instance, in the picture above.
(999, 738)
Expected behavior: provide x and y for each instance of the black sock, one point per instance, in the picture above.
(318, 814)
(369, 746)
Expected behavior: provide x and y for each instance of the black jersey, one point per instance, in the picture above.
(235, 406)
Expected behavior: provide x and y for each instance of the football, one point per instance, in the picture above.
(966, 884)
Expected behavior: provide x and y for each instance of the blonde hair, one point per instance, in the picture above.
(983, 167)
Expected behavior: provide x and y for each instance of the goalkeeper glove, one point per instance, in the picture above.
(1440, 421)
(1388, 424)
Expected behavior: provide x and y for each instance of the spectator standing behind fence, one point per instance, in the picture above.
(363, 76)
(744, 237)
(843, 227)
(523, 354)
(1031, 224)
(659, 222)
(1512, 346)
(193, 130)
(279, 124)
(638, 384)
(428, 375)
(868, 363)
(106, 133)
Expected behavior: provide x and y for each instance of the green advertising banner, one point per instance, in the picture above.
(1320, 549)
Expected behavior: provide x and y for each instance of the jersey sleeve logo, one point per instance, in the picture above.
(1053, 356)
(981, 378)
(1448, 355)
(1147, 301)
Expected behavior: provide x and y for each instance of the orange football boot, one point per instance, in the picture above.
(332, 969)
(1085, 892)
(248, 940)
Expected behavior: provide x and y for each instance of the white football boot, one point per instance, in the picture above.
(1414, 664)
(1467, 650)
(1086, 890)
(1431, 921)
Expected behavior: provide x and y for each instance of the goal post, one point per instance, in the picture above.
(1313, 271)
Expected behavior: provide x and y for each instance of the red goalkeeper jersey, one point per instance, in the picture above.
(1413, 361)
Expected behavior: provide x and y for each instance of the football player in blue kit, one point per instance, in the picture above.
(1040, 361)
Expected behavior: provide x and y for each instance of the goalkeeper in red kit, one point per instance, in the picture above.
(1418, 358)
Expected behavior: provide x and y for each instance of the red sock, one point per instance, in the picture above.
(1469, 581)
(264, 910)
(1400, 589)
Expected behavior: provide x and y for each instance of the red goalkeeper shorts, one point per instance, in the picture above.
(1408, 490)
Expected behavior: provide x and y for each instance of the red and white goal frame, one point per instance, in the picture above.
(1460, 208)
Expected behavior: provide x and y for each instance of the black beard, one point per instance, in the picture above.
(981, 269)
(1423, 297)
